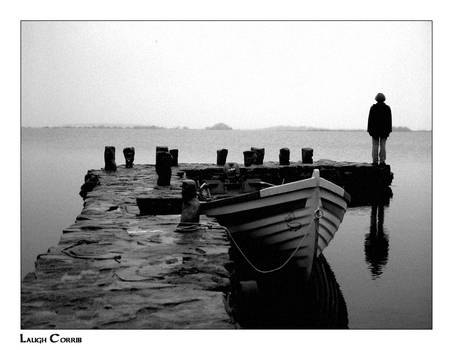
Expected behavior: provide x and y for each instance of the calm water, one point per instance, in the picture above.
(385, 281)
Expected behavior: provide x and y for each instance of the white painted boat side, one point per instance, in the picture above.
(333, 198)
(259, 203)
(309, 242)
(334, 220)
(289, 187)
(277, 231)
(331, 187)
(271, 220)
(328, 225)
(324, 238)
(303, 258)
(271, 229)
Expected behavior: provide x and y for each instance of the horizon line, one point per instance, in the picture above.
(208, 128)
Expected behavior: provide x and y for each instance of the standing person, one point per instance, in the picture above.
(379, 128)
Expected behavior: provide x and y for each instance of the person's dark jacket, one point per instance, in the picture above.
(380, 120)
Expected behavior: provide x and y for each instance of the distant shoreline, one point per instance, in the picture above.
(294, 129)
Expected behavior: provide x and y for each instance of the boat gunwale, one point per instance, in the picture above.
(267, 192)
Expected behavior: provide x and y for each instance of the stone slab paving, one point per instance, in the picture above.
(115, 269)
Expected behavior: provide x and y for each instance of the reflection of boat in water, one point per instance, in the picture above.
(376, 242)
(290, 223)
(285, 301)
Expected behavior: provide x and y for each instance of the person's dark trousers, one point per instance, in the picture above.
(378, 149)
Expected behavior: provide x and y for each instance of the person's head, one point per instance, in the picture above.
(380, 97)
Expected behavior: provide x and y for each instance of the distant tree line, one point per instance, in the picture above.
(217, 126)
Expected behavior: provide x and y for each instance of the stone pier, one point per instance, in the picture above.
(115, 267)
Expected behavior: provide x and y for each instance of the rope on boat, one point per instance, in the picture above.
(252, 265)
(190, 227)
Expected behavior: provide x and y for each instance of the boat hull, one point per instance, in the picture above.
(283, 226)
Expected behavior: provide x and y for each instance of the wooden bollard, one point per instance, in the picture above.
(249, 158)
(174, 154)
(109, 158)
(190, 211)
(307, 155)
(163, 168)
(259, 155)
(222, 156)
(129, 155)
(284, 156)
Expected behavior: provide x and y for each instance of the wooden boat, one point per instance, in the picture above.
(289, 224)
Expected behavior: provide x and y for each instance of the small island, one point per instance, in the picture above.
(219, 126)
(401, 128)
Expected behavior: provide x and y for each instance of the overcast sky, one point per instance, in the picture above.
(246, 74)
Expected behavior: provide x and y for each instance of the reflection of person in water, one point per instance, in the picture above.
(376, 242)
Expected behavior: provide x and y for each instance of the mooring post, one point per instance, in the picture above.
(249, 158)
(161, 149)
(222, 156)
(284, 156)
(259, 155)
(307, 155)
(174, 154)
(163, 168)
(190, 212)
(109, 158)
(129, 155)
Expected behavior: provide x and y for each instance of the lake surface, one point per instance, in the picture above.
(381, 257)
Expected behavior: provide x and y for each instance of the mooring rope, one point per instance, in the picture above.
(71, 254)
(186, 227)
(122, 279)
(190, 227)
(252, 265)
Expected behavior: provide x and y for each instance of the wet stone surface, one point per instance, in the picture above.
(115, 269)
